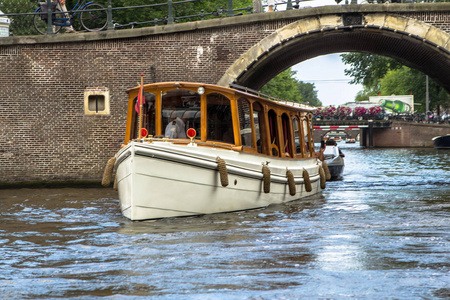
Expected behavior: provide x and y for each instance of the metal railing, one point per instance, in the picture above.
(21, 23)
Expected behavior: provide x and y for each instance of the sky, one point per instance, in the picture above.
(327, 72)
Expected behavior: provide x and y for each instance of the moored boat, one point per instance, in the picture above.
(334, 159)
(442, 142)
(198, 149)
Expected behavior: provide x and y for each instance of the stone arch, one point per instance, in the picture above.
(412, 42)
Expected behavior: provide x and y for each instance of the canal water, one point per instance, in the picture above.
(383, 232)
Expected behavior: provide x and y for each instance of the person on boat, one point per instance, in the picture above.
(332, 142)
(175, 129)
(320, 154)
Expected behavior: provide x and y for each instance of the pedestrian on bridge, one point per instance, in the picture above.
(62, 5)
(271, 4)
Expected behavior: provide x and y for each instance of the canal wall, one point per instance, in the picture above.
(398, 135)
(404, 134)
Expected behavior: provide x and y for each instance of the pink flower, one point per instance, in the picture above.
(360, 111)
(374, 110)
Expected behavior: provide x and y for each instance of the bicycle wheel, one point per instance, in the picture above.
(41, 25)
(94, 20)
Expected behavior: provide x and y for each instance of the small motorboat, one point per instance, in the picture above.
(335, 161)
(442, 142)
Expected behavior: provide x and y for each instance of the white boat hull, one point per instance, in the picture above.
(160, 180)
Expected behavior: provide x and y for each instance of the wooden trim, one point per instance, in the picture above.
(235, 120)
(252, 124)
(131, 97)
(300, 114)
(203, 116)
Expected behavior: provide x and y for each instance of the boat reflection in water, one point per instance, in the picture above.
(334, 159)
(199, 149)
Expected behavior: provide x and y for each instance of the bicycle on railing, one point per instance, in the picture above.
(92, 16)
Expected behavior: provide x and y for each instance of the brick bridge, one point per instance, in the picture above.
(47, 134)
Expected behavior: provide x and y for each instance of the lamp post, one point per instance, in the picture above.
(110, 24)
(49, 17)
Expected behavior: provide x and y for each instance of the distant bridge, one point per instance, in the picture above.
(383, 133)
(46, 133)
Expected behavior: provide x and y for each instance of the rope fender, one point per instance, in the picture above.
(266, 178)
(327, 171)
(222, 171)
(307, 181)
(291, 183)
(107, 174)
(323, 183)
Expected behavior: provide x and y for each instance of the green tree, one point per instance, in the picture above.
(180, 11)
(20, 25)
(386, 76)
(287, 87)
(309, 93)
(367, 69)
(406, 81)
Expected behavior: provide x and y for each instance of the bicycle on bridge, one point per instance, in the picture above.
(92, 16)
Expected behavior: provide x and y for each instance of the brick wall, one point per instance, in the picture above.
(408, 135)
(44, 133)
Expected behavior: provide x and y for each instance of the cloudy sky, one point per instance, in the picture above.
(327, 72)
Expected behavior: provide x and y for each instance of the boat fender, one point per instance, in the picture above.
(266, 178)
(306, 180)
(327, 171)
(222, 171)
(323, 183)
(107, 175)
(291, 183)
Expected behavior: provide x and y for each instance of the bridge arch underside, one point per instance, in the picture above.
(411, 46)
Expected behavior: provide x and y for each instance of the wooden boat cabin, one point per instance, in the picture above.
(222, 117)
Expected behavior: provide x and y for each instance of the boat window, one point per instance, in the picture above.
(258, 119)
(306, 134)
(286, 135)
(273, 130)
(148, 115)
(245, 124)
(180, 111)
(298, 148)
(219, 120)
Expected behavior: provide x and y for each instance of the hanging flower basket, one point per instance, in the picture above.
(360, 111)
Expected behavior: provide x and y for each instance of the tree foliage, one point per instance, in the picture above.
(20, 25)
(159, 10)
(386, 76)
(406, 81)
(140, 17)
(367, 69)
(287, 87)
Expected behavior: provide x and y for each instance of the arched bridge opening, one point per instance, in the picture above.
(412, 42)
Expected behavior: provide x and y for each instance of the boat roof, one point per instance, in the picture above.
(233, 89)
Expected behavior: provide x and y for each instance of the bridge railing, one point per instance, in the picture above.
(413, 118)
(17, 16)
